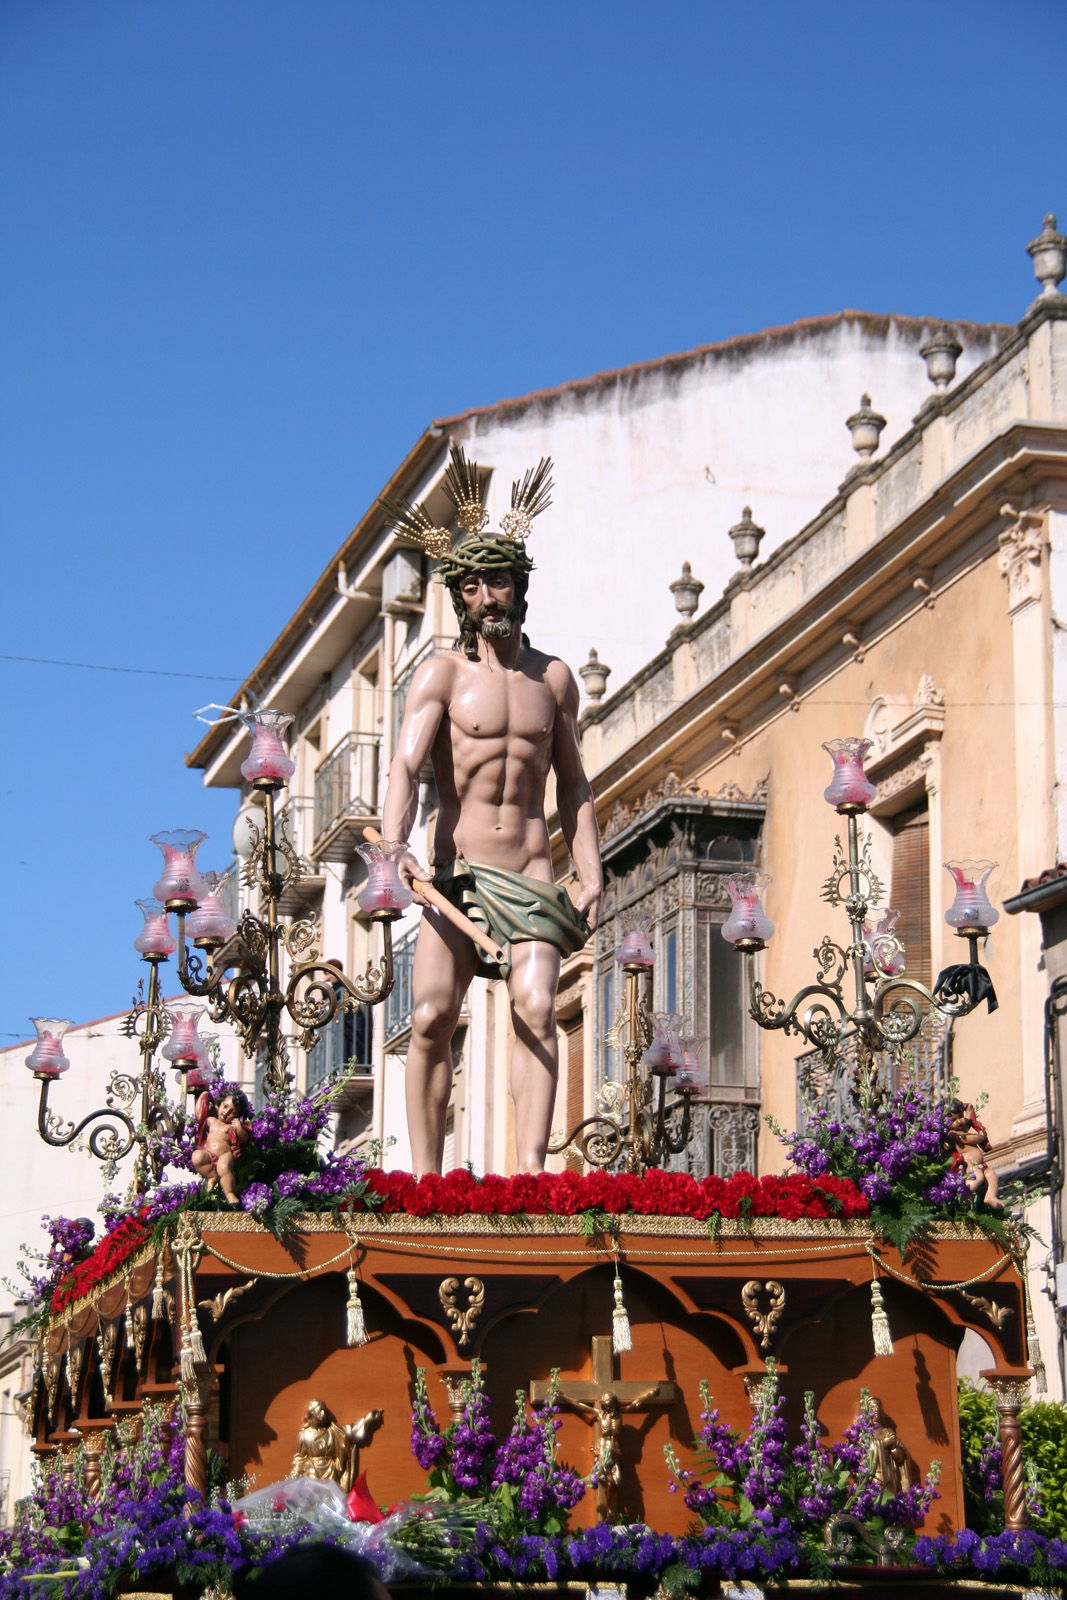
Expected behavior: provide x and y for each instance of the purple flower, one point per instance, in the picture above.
(256, 1198)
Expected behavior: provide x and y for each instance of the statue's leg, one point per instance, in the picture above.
(204, 1167)
(445, 963)
(535, 1056)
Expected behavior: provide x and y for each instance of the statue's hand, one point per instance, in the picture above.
(588, 904)
(410, 869)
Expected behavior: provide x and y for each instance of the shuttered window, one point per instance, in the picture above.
(910, 892)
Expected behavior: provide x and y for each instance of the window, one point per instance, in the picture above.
(666, 862)
(910, 888)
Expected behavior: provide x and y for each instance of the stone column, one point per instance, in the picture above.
(1023, 543)
(1011, 1394)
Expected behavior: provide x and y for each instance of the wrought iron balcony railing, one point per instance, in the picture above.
(346, 797)
(926, 1060)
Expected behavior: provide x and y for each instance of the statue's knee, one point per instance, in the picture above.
(535, 1009)
(434, 1023)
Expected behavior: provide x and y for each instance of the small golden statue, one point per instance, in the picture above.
(329, 1450)
(891, 1462)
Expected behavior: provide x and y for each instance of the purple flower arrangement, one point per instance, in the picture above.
(895, 1149)
(520, 1485)
(761, 1478)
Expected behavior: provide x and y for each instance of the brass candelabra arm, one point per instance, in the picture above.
(597, 1139)
(666, 1143)
(113, 1139)
(375, 983)
(313, 999)
(822, 1021)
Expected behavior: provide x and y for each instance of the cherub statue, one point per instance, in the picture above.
(329, 1450)
(891, 1462)
(969, 1143)
(222, 1132)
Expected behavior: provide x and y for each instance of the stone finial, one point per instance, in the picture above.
(594, 676)
(865, 427)
(1048, 252)
(941, 351)
(746, 536)
(687, 591)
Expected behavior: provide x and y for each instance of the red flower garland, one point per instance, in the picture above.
(460, 1193)
(111, 1252)
(655, 1194)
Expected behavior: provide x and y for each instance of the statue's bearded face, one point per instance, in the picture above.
(490, 601)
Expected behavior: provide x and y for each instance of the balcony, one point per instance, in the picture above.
(344, 1046)
(296, 816)
(399, 1003)
(346, 797)
(927, 1062)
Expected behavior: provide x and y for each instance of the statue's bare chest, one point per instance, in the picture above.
(502, 705)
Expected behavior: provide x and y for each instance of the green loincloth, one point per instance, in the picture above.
(512, 909)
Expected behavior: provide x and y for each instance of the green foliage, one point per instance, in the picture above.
(1043, 1424)
(1044, 1431)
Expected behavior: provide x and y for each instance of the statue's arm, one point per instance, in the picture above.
(424, 712)
(574, 797)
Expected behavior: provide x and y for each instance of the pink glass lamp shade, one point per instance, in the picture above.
(47, 1058)
(971, 911)
(384, 889)
(155, 942)
(691, 1077)
(747, 927)
(884, 956)
(181, 885)
(199, 1078)
(635, 947)
(664, 1055)
(185, 1049)
(850, 788)
(269, 765)
(210, 924)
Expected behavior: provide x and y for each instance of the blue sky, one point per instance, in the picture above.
(253, 246)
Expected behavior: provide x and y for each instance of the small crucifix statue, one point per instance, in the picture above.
(603, 1399)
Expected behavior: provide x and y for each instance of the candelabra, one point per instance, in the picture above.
(630, 1126)
(890, 1008)
(237, 969)
(116, 1132)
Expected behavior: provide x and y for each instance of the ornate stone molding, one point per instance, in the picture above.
(1022, 546)
(672, 787)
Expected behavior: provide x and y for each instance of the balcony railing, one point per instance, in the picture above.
(346, 797)
(723, 1139)
(927, 1062)
(345, 1043)
(399, 1003)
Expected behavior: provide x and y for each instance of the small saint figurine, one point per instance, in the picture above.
(969, 1143)
(328, 1450)
(891, 1462)
(222, 1132)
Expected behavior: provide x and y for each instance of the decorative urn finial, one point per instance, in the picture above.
(865, 426)
(687, 591)
(1048, 252)
(594, 675)
(941, 351)
(746, 536)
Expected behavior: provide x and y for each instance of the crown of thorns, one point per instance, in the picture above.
(476, 550)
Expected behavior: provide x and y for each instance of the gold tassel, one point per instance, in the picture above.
(355, 1322)
(159, 1304)
(128, 1319)
(620, 1321)
(883, 1340)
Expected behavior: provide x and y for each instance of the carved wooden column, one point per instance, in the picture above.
(195, 1398)
(1010, 1394)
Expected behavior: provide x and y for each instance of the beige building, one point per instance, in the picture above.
(908, 591)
